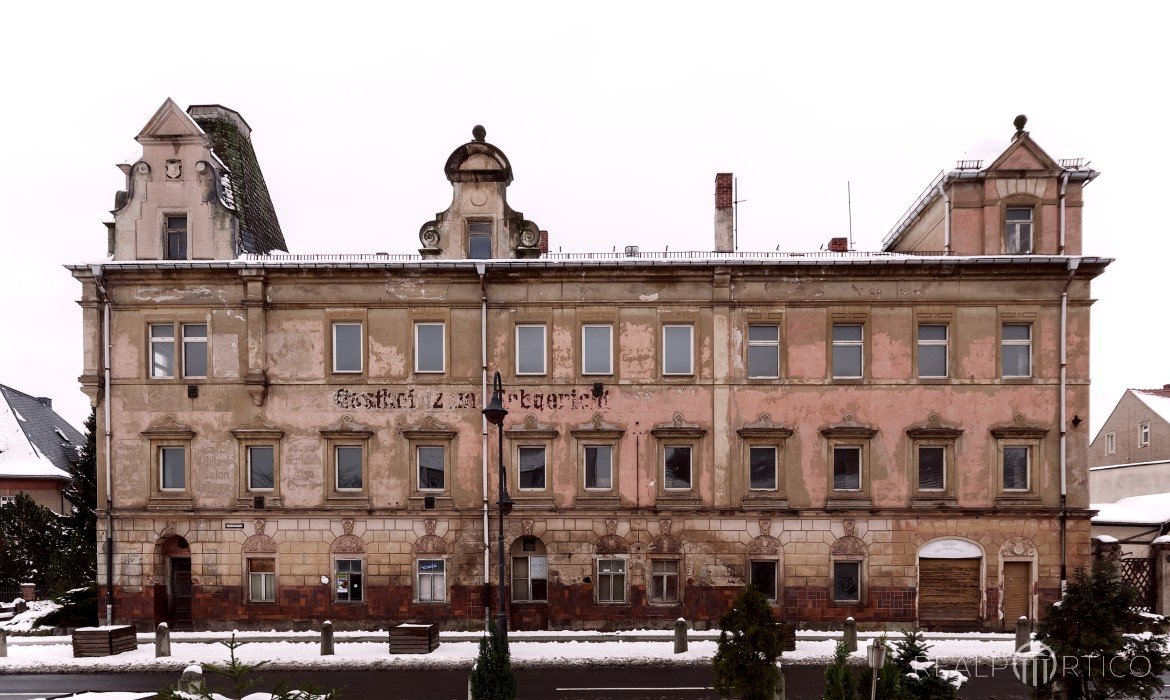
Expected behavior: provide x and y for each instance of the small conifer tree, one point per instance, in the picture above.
(923, 683)
(491, 677)
(749, 645)
(238, 674)
(839, 681)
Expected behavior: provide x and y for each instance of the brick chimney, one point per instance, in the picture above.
(543, 242)
(724, 214)
(839, 245)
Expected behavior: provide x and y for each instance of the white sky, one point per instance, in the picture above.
(616, 116)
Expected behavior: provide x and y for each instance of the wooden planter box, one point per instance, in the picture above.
(413, 639)
(104, 641)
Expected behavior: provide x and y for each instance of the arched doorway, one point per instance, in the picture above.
(950, 594)
(175, 606)
(529, 605)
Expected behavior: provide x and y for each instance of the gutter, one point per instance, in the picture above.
(105, 302)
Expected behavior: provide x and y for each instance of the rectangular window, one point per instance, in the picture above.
(1016, 460)
(261, 467)
(176, 236)
(1017, 235)
(347, 347)
(932, 350)
(847, 581)
(432, 580)
(762, 465)
(5, 500)
(932, 468)
(162, 350)
(348, 581)
(262, 580)
(530, 578)
(429, 351)
(598, 467)
(349, 467)
(597, 349)
(848, 353)
(664, 581)
(763, 578)
(611, 581)
(1017, 350)
(1144, 434)
(431, 466)
(677, 467)
(763, 352)
(847, 468)
(677, 355)
(530, 349)
(194, 349)
(173, 465)
(1110, 443)
(479, 240)
(532, 468)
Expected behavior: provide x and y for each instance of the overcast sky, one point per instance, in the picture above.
(616, 116)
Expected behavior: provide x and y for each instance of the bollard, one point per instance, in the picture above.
(162, 640)
(3, 643)
(850, 634)
(192, 680)
(779, 688)
(1023, 632)
(680, 635)
(327, 638)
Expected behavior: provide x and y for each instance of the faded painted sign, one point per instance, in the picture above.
(413, 400)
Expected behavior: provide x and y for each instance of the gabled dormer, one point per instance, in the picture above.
(1023, 203)
(479, 223)
(196, 193)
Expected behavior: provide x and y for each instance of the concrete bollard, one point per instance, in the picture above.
(1023, 632)
(680, 635)
(162, 640)
(192, 680)
(850, 634)
(327, 638)
(3, 643)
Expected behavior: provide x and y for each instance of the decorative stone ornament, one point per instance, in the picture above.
(174, 169)
(1018, 547)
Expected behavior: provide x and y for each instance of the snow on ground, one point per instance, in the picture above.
(24, 622)
(58, 657)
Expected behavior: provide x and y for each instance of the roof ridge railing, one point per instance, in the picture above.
(915, 209)
(612, 256)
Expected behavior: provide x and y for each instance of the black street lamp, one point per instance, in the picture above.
(495, 413)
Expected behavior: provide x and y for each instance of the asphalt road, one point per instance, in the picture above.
(569, 683)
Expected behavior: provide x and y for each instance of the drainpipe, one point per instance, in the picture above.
(481, 270)
(1063, 187)
(1073, 263)
(946, 219)
(105, 301)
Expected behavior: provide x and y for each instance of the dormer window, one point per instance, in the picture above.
(1017, 234)
(479, 240)
(175, 237)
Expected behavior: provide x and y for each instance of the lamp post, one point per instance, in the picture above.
(495, 412)
(877, 659)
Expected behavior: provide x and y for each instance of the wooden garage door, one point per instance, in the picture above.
(948, 591)
(1017, 592)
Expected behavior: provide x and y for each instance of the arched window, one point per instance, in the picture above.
(529, 569)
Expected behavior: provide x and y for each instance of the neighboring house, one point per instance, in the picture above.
(1131, 454)
(37, 449)
(870, 435)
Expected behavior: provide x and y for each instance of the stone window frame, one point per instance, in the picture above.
(419, 558)
(625, 574)
(663, 326)
(275, 574)
(544, 325)
(680, 579)
(1020, 201)
(427, 320)
(849, 317)
(177, 322)
(1019, 433)
(467, 234)
(531, 433)
(774, 596)
(258, 434)
(678, 433)
(430, 433)
(597, 433)
(766, 548)
(764, 319)
(169, 433)
(540, 549)
(359, 317)
(607, 322)
(934, 433)
(346, 433)
(359, 557)
(666, 547)
(849, 548)
(164, 228)
(674, 318)
(849, 433)
(1017, 317)
(762, 433)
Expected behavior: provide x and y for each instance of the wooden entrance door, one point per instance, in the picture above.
(180, 593)
(948, 593)
(1017, 592)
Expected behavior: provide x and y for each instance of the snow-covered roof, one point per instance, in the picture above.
(1157, 399)
(1151, 509)
(30, 442)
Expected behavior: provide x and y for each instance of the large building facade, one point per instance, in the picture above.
(895, 436)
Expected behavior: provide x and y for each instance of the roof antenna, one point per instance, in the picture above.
(849, 200)
(735, 200)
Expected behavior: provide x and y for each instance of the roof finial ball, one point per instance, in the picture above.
(1020, 122)
(479, 133)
